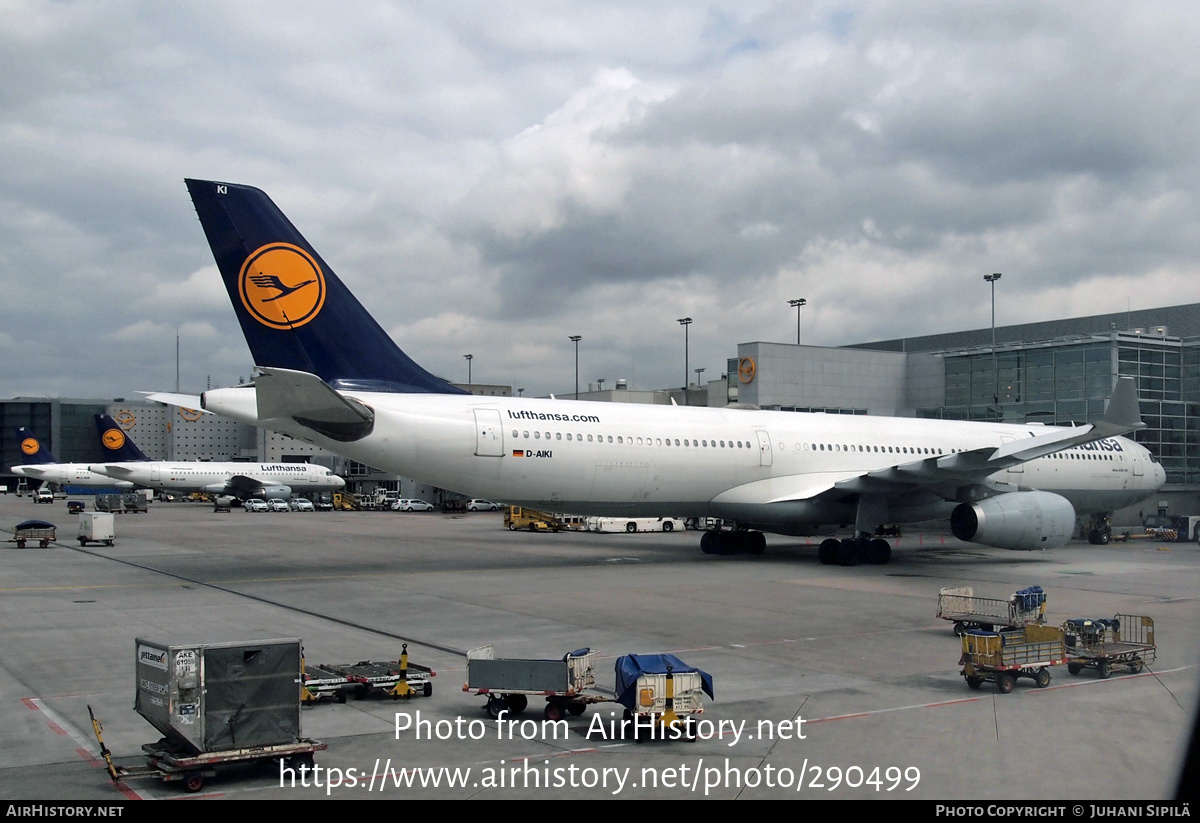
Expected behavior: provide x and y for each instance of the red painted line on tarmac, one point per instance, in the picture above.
(29, 704)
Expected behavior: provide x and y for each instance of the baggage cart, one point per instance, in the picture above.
(1025, 607)
(568, 684)
(394, 678)
(1123, 641)
(1003, 657)
(28, 531)
(216, 704)
(191, 770)
(660, 694)
(96, 527)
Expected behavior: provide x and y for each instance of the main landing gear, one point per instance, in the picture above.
(873, 551)
(1099, 530)
(741, 541)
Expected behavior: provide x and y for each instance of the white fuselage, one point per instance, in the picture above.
(193, 476)
(760, 467)
(69, 474)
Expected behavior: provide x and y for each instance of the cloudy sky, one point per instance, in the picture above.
(492, 177)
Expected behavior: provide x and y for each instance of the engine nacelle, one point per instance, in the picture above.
(1017, 520)
(283, 492)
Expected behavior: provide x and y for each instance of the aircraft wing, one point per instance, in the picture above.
(185, 401)
(945, 473)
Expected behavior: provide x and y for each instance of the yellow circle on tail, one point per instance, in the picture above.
(281, 286)
(113, 439)
(29, 445)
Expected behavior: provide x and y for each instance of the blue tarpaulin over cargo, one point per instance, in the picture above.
(630, 666)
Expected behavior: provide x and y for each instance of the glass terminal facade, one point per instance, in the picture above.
(1068, 380)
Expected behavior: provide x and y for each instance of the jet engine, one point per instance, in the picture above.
(283, 492)
(1016, 520)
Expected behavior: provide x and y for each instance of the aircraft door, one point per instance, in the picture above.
(489, 434)
(764, 448)
(154, 473)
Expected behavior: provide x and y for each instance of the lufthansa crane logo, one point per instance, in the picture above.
(282, 286)
(29, 446)
(113, 439)
(125, 419)
(746, 369)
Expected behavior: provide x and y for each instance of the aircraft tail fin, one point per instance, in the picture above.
(33, 451)
(118, 446)
(294, 311)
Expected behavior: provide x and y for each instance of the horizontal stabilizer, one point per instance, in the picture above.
(311, 402)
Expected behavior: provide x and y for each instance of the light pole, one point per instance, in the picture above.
(468, 358)
(685, 322)
(798, 303)
(992, 278)
(575, 338)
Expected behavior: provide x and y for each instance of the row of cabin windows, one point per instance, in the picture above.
(641, 441)
(740, 444)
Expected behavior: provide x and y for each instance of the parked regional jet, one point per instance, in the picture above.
(43, 466)
(127, 462)
(330, 375)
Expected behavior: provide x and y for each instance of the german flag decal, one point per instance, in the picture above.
(518, 452)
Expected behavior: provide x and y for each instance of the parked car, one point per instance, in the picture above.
(43, 495)
(255, 504)
(277, 504)
(406, 505)
(480, 505)
(301, 504)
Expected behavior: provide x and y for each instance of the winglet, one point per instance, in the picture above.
(1123, 411)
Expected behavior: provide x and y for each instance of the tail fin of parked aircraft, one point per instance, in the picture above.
(118, 446)
(32, 450)
(294, 311)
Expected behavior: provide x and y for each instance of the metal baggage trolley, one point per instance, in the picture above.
(1003, 657)
(1125, 640)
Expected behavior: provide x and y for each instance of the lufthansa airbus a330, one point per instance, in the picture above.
(330, 375)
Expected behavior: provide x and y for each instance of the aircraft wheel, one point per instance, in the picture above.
(879, 551)
(706, 543)
(847, 552)
(1104, 537)
(827, 552)
(756, 543)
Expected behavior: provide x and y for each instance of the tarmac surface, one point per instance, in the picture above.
(856, 653)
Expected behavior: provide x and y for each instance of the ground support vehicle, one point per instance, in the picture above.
(660, 694)
(96, 527)
(134, 503)
(29, 530)
(394, 678)
(634, 524)
(193, 769)
(518, 517)
(108, 503)
(1123, 641)
(216, 704)
(1002, 657)
(959, 604)
(568, 684)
